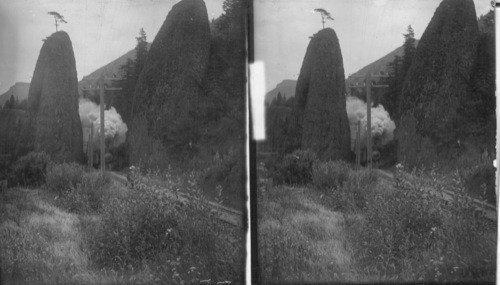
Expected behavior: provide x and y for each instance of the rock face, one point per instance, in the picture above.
(53, 101)
(320, 107)
(438, 81)
(169, 90)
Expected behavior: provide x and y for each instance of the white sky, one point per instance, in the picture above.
(100, 30)
(367, 30)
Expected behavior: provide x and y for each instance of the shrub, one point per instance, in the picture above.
(295, 168)
(412, 233)
(353, 193)
(30, 170)
(88, 195)
(150, 225)
(226, 173)
(480, 182)
(61, 178)
(331, 174)
(145, 150)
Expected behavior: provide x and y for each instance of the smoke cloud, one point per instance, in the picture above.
(115, 129)
(382, 127)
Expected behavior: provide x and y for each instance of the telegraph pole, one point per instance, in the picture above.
(369, 120)
(101, 137)
(101, 98)
(369, 86)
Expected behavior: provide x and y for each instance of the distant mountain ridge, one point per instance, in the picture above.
(111, 71)
(19, 90)
(285, 87)
(378, 67)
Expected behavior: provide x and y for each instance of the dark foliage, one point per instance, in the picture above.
(480, 183)
(30, 170)
(15, 136)
(413, 234)
(180, 240)
(330, 175)
(62, 178)
(295, 168)
(398, 69)
(130, 73)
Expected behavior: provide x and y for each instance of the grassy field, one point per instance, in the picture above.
(299, 238)
(357, 228)
(95, 231)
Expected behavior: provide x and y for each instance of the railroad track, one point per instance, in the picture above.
(489, 210)
(226, 214)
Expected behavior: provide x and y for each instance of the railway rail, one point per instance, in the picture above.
(489, 210)
(226, 214)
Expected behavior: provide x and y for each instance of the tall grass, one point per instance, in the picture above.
(180, 241)
(39, 242)
(299, 239)
(356, 228)
(411, 234)
(81, 228)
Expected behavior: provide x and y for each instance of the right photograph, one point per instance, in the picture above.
(379, 158)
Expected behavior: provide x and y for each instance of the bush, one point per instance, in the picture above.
(88, 195)
(61, 178)
(480, 183)
(226, 173)
(331, 174)
(353, 193)
(412, 233)
(295, 168)
(151, 226)
(30, 170)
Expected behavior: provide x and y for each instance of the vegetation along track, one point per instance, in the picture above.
(226, 214)
(489, 210)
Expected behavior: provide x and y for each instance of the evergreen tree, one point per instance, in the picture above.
(11, 103)
(279, 99)
(130, 74)
(141, 50)
(398, 69)
(228, 46)
(409, 49)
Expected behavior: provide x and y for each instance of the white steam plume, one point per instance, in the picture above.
(115, 129)
(382, 127)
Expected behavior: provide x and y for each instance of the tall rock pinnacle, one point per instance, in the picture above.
(439, 79)
(53, 101)
(320, 107)
(170, 86)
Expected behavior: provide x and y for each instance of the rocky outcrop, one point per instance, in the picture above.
(53, 101)
(169, 90)
(320, 105)
(439, 80)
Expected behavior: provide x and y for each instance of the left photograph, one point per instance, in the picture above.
(123, 142)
